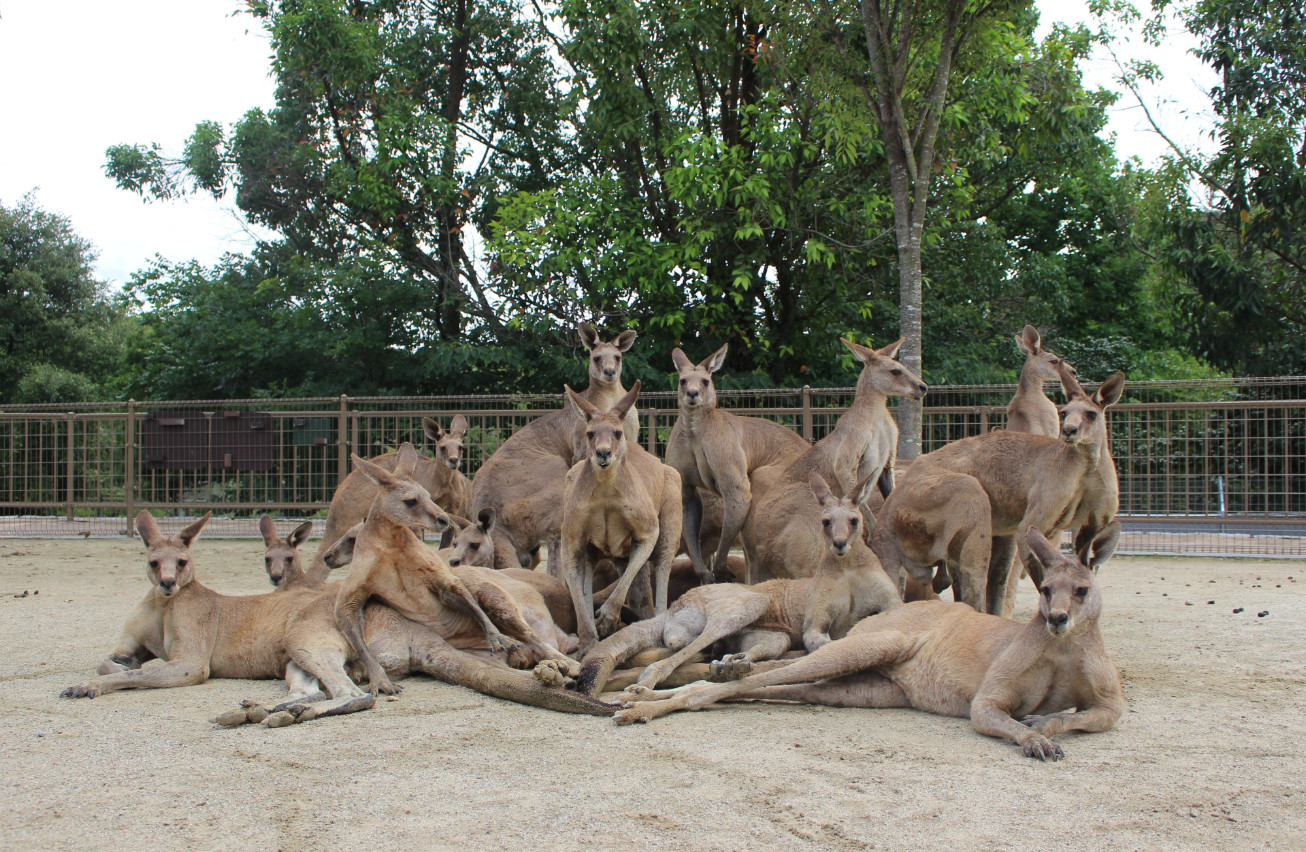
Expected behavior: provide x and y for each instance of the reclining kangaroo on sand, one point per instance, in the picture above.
(622, 503)
(524, 478)
(440, 476)
(779, 539)
(718, 451)
(183, 633)
(765, 621)
(946, 658)
(391, 564)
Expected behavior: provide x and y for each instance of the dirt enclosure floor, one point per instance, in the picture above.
(1208, 756)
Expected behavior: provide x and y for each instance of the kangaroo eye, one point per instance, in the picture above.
(825, 522)
(1055, 361)
(410, 502)
(154, 563)
(1046, 592)
(1091, 415)
(617, 436)
(854, 522)
(684, 381)
(896, 372)
(617, 358)
(589, 434)
(181, 563)
(1081, 592)
(267, 560)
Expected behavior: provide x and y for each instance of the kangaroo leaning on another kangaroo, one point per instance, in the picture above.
(946, 658)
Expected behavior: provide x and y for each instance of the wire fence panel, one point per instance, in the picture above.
(1212, 466)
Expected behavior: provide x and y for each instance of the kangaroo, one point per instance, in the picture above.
(183, 633)
(765, 620)
(439, 476)
(392, 564)
(778, 534)
(1030, 410)
(718, 451)
(523, 480)
(623, 503)
(281, 556)
(1037, 482)
(938, 518)
(946, 658)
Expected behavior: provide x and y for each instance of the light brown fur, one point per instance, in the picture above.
(948, 659)
(281, 556)
(1030, 410)
(717, 451)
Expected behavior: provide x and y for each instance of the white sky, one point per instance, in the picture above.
(77, 76)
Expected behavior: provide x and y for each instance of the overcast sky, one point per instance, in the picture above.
(81, 75)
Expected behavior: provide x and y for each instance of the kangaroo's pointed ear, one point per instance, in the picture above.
(627, 402)
(1099, 550)
(458, 426)
(405, 460)
(891, 351)
(148, 528)
(486, 517)
(1046, 553)
(820, 489)
(373, 471)
(192, 530)
(861, 353)
(862, 492)
(268, 530)
(681, 360)
(625, 340)
(432, 429)
(300, 534)
(1028, 340)
(581, 405)
(458, 522)
(717, 359)
(1070, 385)
(1108, 393)
(589, 336)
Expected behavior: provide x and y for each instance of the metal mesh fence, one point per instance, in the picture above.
(1213, 466)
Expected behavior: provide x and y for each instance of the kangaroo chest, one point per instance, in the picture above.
(703, 469)
(610, 533)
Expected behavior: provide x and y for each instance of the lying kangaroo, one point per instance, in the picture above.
(765, 620)
(715, 450)
(392, 564)
(523, 480)
(946, 658)
(183, 633)
(620, 502)
(439, 476)
(1030, 410)
(779, 540)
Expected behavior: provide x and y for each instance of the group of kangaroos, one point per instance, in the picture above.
(834, 600)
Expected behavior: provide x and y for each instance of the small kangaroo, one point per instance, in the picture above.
(183, 633)
(946, 658)
(281, 555)
(619, 502)
(764, 621)
(1030, 410)
(718, 451)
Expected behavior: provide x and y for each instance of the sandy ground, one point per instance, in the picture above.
(1207, 757)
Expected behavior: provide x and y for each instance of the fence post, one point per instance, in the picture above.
(807, 413)
(129, 465)
(342, 442)
(70, 467)
(653, 431)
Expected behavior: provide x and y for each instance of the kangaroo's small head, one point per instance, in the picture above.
(1083, 417)
(342, 552)
(1068, 597)
(605, 438)
(167, 557)
(605, 357)
(403, 501)
(473, 545)
(696, 387)
(448, 442)
(1044, 363)
(281, 555)
(841, 517)
(881, 373)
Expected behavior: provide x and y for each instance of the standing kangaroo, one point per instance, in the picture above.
(1030, 410)
(523, 480)
(718, 451)
(620, 502)
(439, 476)
(948, 659)
(778, 535)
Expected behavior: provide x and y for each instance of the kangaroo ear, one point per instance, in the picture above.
(192, 530)
(300, 534)
(486, 517)
(820, 489)
(1099, 550)
(458, 426)
(627, 402)
(373, 471)
(1108, 393)
(625, 340)
(589, 336)
(1070, 385)
(1044, 550)
(406, 460)
(862, 492)
(681, 360)
(1029, 340)
(458, 522)
(582, 406)
(891, 351)
(861, 353)
(268, 530)
(716, 360)
(432, 429)
(148, 528)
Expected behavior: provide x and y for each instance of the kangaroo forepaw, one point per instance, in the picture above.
(1049, 725)
(502, 644)
(636, 692)
(90, 689)
(559, 673)
(1043, 748)
(384, 686)
(731, 667)
(607, 621)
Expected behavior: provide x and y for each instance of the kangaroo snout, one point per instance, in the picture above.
(1058, 622)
